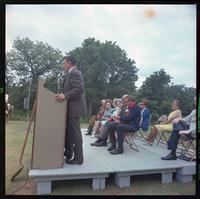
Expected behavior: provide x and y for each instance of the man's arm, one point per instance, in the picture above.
(76, 82)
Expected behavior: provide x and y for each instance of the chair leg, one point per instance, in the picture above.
(181, 142)
(160, 138)
(189, 145)
(132, 144)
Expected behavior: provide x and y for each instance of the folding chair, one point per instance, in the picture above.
(181, 144)
(187, 141)
(163, 135)
(142, 134)
(129, 139)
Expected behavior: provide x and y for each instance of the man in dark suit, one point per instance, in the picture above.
(128, 123)
(73, 92)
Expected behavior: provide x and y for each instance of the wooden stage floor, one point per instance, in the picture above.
(99, 163)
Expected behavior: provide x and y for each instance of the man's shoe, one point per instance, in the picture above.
(184, 157)
(73, 161)
(67, 156)
(169, 157)
(116, 151)
(111, 148)
(101, 143)
(94, 143)
(88, 133)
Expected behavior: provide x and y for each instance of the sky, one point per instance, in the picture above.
(154, 36)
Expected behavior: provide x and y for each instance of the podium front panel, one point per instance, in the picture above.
(49, 130)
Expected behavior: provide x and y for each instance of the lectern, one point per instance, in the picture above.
(49, 130)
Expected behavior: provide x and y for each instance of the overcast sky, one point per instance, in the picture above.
(155, 36)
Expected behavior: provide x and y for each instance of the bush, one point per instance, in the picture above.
(84, 119)
(19, 115)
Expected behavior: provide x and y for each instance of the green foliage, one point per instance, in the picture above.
(160, 93)
(30, 61)
(107, 70)
(185, 95)
(20, 115)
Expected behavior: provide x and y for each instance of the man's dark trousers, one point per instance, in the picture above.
(108, 125)
(121, 130)
(175, 136)
(74, 141)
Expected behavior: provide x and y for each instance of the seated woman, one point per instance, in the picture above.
(111, 123)
(117, 103)
(186, 126)
(145, 115)
(165, 126)
(115, 111)
(96, 117)
(106, 115)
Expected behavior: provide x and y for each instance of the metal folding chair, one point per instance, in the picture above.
(162, 138)
(187, 142)
(129, 139)
(142, 134)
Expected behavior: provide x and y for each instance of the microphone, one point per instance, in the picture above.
(58, 85)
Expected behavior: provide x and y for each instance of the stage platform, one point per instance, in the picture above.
(99, 164)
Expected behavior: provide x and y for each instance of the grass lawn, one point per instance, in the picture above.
(140, 185)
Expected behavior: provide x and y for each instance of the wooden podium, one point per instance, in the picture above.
(49, 130)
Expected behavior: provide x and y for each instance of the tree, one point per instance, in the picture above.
(154, 89)
(160, 93)
(184, 94)
(29, 60)
(107, 70)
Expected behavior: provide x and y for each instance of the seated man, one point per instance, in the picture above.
(128, 123)
(103, 136)
(181, 126)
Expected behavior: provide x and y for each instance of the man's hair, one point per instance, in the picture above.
(71, 59)
(130, 98)
(124, 96)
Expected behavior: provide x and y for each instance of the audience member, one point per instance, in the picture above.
(166, 126)
(186, 126)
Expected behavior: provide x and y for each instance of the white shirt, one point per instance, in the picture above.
(72, 69)
(6, 98)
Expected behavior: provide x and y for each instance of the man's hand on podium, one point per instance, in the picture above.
(60, 97)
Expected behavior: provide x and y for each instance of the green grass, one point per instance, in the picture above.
(20, 115)
(140, 185)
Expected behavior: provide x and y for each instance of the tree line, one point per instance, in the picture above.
(107, 70)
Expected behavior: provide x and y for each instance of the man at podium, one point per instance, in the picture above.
(74, 93)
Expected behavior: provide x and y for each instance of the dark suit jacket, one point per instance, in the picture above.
(133, 117)
(74, 91)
